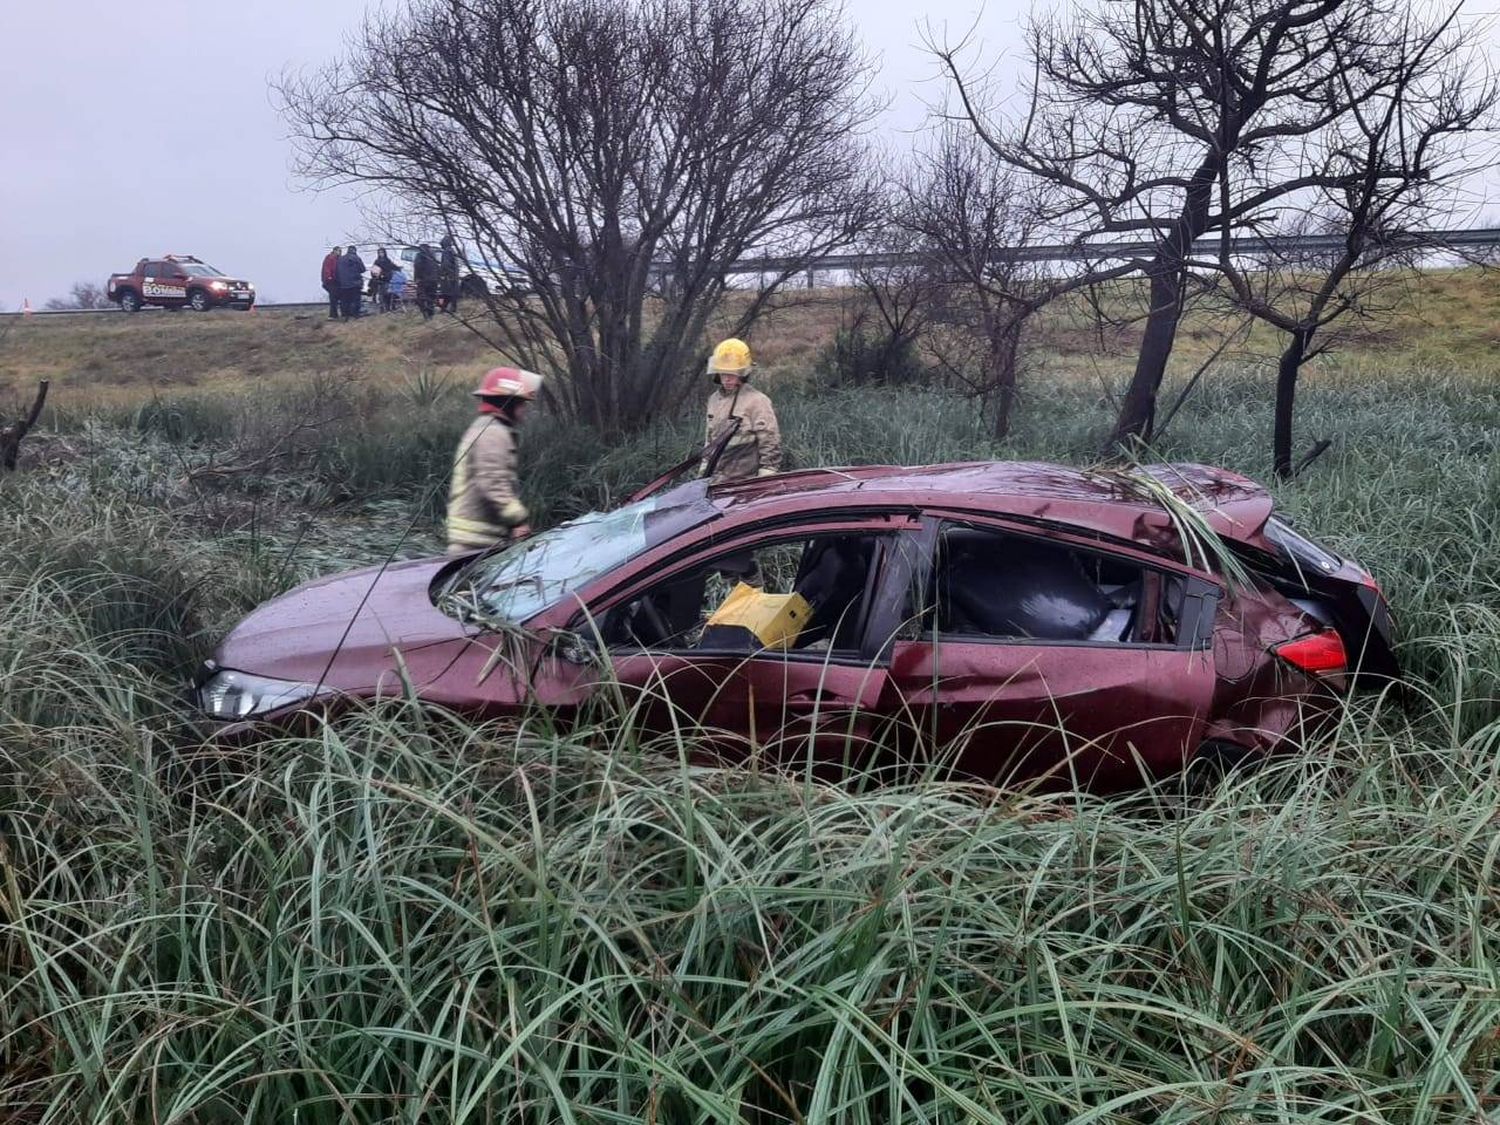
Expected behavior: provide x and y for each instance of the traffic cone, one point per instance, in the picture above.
(25, 306)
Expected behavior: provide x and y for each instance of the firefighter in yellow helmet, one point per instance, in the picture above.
(484, 503)
(755, 449)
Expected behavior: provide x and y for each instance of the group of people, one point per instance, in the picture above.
(435, 274)
(484, 501)
(344, 282)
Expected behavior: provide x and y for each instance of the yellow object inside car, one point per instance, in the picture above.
(752, 618)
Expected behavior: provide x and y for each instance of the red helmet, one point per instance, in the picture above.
(509, 382)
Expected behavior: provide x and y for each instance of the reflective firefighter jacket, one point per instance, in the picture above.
(483, 505)
(755, 449)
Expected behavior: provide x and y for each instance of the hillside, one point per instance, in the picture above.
(1446, 321)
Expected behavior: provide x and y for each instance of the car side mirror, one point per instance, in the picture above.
(576, 648)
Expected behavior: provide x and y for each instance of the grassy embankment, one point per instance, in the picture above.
(408, 919)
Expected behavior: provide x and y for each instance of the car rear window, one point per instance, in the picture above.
(1299, 549)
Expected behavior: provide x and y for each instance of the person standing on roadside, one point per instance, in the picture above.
(380, 281)
(755, 448)
(425, 274)
(448, 283)
(395, 291)
(331, 280)
(351, 276)
(484, 501)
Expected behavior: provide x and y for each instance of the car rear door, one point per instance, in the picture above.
(1115, 685)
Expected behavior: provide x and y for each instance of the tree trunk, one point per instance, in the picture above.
(1287, 370)
(10, 436)
(1138, 409)
(1005, 341)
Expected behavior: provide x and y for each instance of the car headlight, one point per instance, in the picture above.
(218, 285)
(224, 694)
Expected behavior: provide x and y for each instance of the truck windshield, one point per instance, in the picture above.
(521, 581)
(198, 269)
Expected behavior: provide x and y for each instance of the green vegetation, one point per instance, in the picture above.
(405, 917)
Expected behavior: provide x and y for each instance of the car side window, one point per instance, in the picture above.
(988, 584)
(808, 594)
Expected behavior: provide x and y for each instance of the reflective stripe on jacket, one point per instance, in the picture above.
(755, 449)
(483, 505)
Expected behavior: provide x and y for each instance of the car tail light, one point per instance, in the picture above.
(1316, 653)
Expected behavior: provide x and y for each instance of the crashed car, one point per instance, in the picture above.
(1010, 619)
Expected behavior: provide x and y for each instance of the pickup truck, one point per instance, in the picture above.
(175, 280)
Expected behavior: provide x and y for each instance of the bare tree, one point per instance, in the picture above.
(83, 295)
(1404, 152)
(894, 295)
(1166, 120)
(603, 151)
(974, 218)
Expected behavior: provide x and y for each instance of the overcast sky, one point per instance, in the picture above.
(144, 128)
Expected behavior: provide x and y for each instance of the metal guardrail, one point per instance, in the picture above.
(1246, 245)
(115, 310)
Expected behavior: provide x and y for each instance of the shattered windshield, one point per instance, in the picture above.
(521, 581)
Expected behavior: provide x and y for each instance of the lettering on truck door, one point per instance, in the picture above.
(165, 282)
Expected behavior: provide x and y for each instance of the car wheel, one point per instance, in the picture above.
(1219, 758)
(198, 299)
(129, 301)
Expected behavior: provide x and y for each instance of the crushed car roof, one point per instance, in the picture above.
(1116, 503)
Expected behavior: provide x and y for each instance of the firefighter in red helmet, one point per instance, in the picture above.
(484, 503)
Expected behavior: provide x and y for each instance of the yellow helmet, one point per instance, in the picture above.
(731, 357)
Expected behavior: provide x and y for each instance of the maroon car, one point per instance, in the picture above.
(1016, 618)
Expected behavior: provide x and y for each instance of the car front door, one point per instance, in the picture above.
(695, 669)
(166, 285)
(1034, 657)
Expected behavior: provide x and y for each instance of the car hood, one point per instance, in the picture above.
(342, 630)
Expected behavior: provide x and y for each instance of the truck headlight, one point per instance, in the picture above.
(224, 694)
(218, 285)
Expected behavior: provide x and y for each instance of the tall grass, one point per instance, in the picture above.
(402, 921)
(408, 917)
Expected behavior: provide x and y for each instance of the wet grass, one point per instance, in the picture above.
(406, 917)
